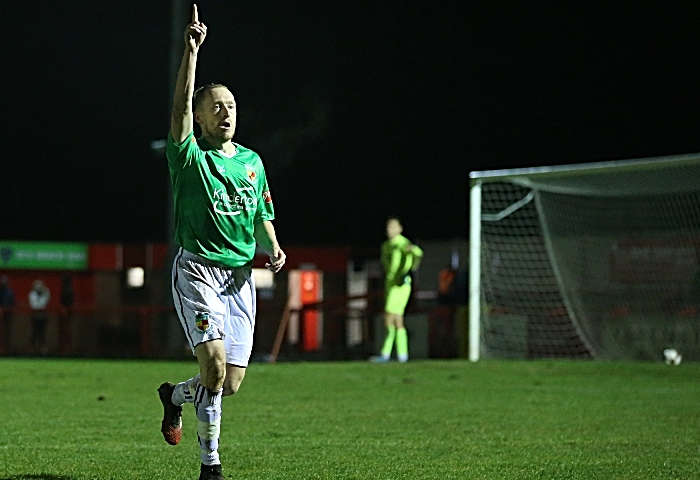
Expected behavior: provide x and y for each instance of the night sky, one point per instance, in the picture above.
(358, 109)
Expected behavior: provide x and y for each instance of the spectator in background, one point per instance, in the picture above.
(7, 305)
(461, 290)
(7, 295)
(441, 324)
(446, 286)
(39, 297)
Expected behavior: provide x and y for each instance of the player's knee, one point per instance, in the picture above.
(388, 320)
(212, 364)
(233, 381)
(215, 374)
(231, 387)
(392, 320)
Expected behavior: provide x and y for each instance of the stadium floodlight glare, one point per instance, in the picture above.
(598, 260)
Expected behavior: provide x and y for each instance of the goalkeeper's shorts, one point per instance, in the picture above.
(397, 298)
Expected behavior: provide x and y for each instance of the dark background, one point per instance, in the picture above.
(359, 109)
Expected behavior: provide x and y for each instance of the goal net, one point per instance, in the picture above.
(594, 260)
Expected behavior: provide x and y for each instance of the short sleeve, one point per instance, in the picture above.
(265, 210)
(181, 155)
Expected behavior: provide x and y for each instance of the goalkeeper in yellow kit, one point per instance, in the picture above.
(399, 258)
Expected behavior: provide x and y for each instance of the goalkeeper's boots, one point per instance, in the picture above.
(379, 359)
(172, 415)
(211, 472)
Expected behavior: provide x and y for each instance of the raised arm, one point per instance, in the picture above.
(182, 119)
(264, 234)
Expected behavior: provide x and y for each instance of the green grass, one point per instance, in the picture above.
(422, 420)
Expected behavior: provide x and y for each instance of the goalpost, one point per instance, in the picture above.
(598, 260)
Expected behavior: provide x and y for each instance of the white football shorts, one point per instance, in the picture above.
(215, 302)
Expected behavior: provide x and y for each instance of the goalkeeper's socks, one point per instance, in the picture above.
(388, 342)
(207, 404)
(402, 345)
(184, 392)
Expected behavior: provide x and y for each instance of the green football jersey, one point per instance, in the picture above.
(217, 200)
(397, 261)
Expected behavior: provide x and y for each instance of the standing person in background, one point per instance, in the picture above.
(7, 305)
(39, 297)
(223, 208)
(399, 258)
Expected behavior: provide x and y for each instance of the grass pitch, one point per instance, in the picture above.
(89, 419)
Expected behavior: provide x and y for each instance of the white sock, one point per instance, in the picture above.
(184, 391)
(207, 404)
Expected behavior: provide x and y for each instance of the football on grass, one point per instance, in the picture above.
(672, 357)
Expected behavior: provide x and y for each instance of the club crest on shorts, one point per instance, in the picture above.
(202, 321)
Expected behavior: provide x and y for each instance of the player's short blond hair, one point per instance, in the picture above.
(198, 96)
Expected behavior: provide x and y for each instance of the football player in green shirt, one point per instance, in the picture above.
(399, 258)
(223, 207)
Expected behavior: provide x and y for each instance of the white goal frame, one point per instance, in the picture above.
(524, 177)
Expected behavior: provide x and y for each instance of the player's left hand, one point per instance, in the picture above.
(277, 259)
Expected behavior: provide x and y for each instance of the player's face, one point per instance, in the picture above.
(217, 114)
(393, 228)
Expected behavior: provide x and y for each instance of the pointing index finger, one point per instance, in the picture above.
(195, 17)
